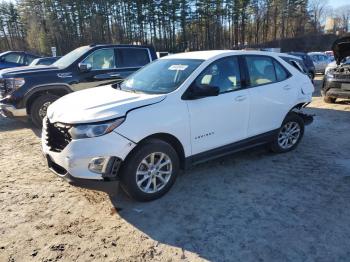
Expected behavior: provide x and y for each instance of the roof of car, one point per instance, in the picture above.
(206, 55)
(48, 57)
(316, 53)
(290, 56)
(119, 45)
(17, 51)
(297, 53)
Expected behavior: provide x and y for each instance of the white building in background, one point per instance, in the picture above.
(335, 26)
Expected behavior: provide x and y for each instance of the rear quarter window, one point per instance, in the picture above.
(132, 57)
(281, 72)
(265, 70)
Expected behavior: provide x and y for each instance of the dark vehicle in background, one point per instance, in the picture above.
(336, 83)
(307, 61)
(44, 60)
(15, 58)
(298, 63)
(28, 91)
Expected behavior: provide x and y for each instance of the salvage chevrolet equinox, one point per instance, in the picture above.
(177, 111)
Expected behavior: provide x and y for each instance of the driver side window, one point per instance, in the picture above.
(101, 59)
(223, 73)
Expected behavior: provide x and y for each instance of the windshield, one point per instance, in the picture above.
(71, 57)
(161, 77)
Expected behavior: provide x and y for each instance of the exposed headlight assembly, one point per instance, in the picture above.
(14, 83)
(93, 130)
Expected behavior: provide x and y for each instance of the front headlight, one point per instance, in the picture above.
(14, 83)
(93, 130)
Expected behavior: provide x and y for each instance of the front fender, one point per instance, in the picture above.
(31, 94)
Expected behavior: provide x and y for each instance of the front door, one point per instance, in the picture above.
(223, 119)
(103, 70)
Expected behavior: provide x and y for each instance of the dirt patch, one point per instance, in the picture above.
(253, 206)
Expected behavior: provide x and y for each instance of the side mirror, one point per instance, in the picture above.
(196, 91)
(85, 67)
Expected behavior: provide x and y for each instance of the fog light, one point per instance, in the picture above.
(99, 165)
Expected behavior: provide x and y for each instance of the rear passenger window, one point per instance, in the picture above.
(281, 73)
(223, 73)
(29, 59)
(132, 57)
(261, 70)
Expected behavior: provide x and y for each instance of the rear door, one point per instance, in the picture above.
(131, 59)
(272, 93)
(29, 59)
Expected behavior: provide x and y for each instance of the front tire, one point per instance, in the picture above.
(39, 108)
(150, 171)
(289, 134)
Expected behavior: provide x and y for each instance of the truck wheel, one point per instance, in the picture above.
(329, 100)
(150, 171)
(289, 134)
(39, 108)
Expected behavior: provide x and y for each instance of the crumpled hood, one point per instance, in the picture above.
(97, 104)
(26, 69)
(341, 48)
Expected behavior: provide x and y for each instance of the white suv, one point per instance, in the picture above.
(177, 111)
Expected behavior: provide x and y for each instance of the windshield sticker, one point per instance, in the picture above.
(178, 67)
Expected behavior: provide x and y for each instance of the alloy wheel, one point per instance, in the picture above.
(43, 110)
(289, 135)
(154, 172)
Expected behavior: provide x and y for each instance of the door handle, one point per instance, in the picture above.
(287, 87)
(115, 75)
(240, 98)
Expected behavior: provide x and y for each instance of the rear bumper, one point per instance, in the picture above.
(308, 119)
(10, 111)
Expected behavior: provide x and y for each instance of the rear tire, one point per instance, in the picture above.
(39, 107)
(289, 134)
(329, 100)
(150, 171)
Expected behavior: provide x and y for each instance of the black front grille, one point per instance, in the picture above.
(57, 136)
(342, 76)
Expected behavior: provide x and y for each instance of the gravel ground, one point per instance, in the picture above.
(253, 206)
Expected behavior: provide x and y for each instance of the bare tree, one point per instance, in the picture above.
(343, 14)
(317, 11)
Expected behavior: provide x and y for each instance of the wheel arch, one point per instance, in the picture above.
(170, 139)
(33, 94)
(308, 119)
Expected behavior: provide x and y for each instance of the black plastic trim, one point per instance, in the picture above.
(244, 144)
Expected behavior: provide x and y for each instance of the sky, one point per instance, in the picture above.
(337, 3)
